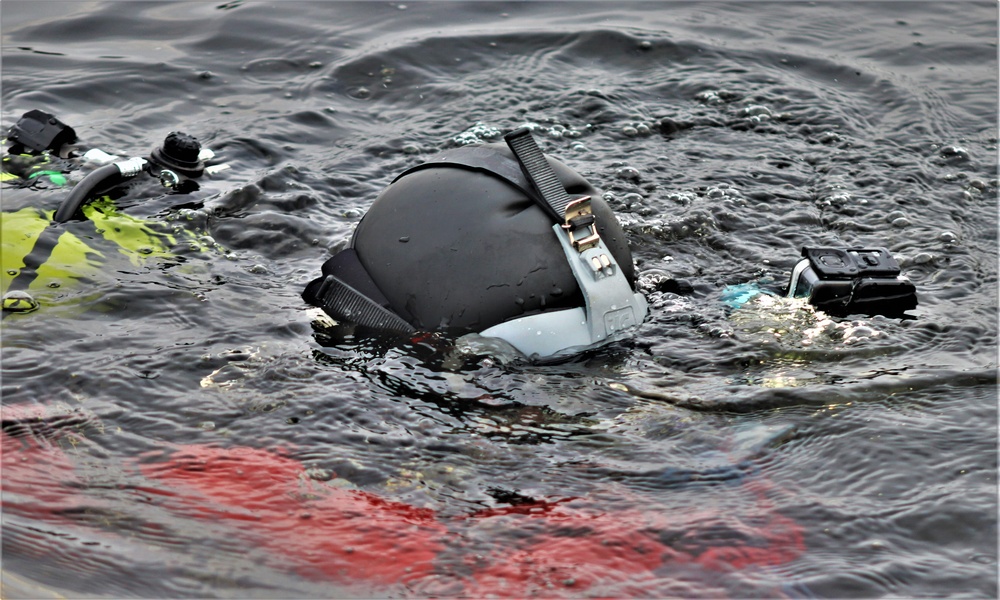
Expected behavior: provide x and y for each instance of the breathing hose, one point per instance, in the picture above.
(95, 180)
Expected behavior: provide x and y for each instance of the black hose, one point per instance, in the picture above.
(82, 191)
(96, 180)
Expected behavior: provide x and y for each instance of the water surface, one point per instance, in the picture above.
(181, 427)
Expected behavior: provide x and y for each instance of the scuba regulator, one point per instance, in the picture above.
(177, 163)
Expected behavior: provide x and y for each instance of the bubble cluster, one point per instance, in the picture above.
(793, 321)
(477, 134)
(837, 197)
(756, 113)
(637, 129)
(683, 198)
(716, 97)
(555, 131)
(723, 191)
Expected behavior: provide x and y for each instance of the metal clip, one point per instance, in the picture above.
(578, 215)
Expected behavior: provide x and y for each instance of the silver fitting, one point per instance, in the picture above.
(131, 167)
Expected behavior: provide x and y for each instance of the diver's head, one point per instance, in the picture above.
(496, 240)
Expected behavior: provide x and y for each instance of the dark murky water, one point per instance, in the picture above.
(174, 428)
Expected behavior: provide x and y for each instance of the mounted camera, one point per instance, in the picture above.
(843, 281)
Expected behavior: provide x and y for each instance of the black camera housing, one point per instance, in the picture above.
(843, 281)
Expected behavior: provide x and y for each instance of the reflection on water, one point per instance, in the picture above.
(184, 426)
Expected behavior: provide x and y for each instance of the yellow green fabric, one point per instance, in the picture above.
(80, 253)
(134, 237)
(75, 258)
(71, 257)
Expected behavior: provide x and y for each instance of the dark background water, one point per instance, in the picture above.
(725, 135)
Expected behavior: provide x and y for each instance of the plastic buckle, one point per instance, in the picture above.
(579, 215)
(611, 307)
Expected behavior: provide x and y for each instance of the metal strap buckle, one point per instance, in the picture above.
(578, 216)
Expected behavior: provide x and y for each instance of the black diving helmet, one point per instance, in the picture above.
(497, 240)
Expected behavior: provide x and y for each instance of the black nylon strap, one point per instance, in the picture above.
(343, 302)
(539, 172)
(347, 293)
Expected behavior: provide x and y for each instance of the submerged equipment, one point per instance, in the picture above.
(38, 131)
(39, 253)
(177, 163)
(500, 241)
(845, 281)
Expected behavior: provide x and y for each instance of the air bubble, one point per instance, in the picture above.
(829, 137)
(19, 301)
(757, 111)
(709, 97)
(478, 133)
(955, 152)
(628, 174)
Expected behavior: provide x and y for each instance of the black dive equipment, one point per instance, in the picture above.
(496, 240)
(176, 163)
(38, 131)
(843, 281)
(38, 136)
(97, 180)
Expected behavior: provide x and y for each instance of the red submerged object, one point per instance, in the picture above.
(560, 548)
(332, 532)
